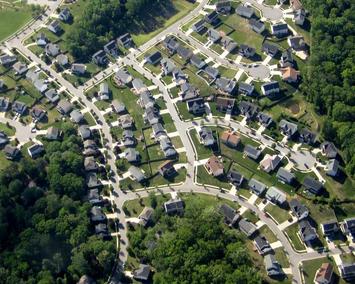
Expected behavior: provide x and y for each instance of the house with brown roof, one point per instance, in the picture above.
(231, 139)
(214, 166)
(324, 274)
(290, 74)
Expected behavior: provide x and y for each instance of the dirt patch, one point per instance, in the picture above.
(294, 108)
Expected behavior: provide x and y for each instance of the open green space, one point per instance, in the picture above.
(292, 232)
(279, 214)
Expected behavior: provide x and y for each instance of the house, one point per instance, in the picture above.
(228, 44)
(270, 49)
(11, 152)
(7, 59)
(166, 169)
(225, 104)
(256, 187)
(78, 69)
(347, 271)
(136, 174)
(90, 148)
(151, 116)
(90, 164)
(264, 119)
(142, 273)
(298, 209)
(64, 107)
(257, 25)
(53, 133)
(138, 86)
(276, 196)
(64, 15)
(52, 95)
(288, 128)
(198, 26)
(52, 49)
(270, 89)
(125, 41)
(188, 92)
(167, 66)
(40, 85)
(324, 274)
(94, 197)
(262, 245)
(285, 176)
(101, 230)
(3, 139)
(213, 35)
(300, 17)
(287, 59)
(329, 150)
(214, 166)
(167, 147)
(153, 58)
(118, 107)
(126, 121)
(272, 267)
(290, 75)
(100, 58)
(252, 152)
(174, 206)
(223, 7)
(307, 137)
(243, 11)
(146, 216)
(20, 68)
(247, 109)
(297, 43)
(246, 51)
(111, 48)
(76, 116)
(332, 167)
(329, 228)
(41, 39)
(54, 27)
(158, 131)
(348, 227)
(128, 138)
(92, 180)
(296, 4)
(171, 44)
(211, 18)
(179, 77)
(235, 178)
(246, 227)
(84, 132)
(306, 231)
(35, 150)
(62, 59)
(246, 89)
(231, 139)
(19, 108)
(37, 113)
(226, 86)
(104, 92)
(279, 29)
(197, 62)
(312, 185)
(131, 155)
(229, 214)
(196, 106)
(270, 163)
(206, 136)
(184, 53)
(122, 77)
(97, 215)
(212, 72)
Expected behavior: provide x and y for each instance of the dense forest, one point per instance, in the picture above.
(329, 83)
(45, 231)
(104, 20)
(195, 248)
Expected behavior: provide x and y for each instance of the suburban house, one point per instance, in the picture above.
(276, 196)
(78, 69)
(136, 174)
(37, 113)
(287, 59)
(211, 18)
(184, 53)
(329, 228)
(226, 86)
(128, 138)
(300, 17)
(62, 59)
(139, 86)
(270, 162)
(40, 85)
(296, 4)
(179, 77)
(214, 166)
(246, 89)
(297, 43)
(256, 187)
(3, 139)
(97, 215)
(167, 169)
(174, 206)
(223, 7)
(100, 58)
(243, 11)
(347, 271)
(206, 136)
(122, 77)
(312, 185)
(246, 227)
(329, 150)
(54, 27)
(64, 107)
(90, 164)
(285, 176)
(20, 68)
(188, 92)
(228, 44)
(225, 104)
(246, 51)
(151, 116)
(196, 106)
(348, 227)
(197, 62)
(247, 109)
(104, 92)
(235, 178)
(142, 273)
(52, 49)
(7, 59)
(257, 25)
(101, 230)
(76, 116)
(198, 26)
(35, 150)
(53, 133)
(213, 35)
(90, 148)
(94, 197)
(64, 15)
(307, 137)
(288, 128)
(264, 119)
(170, 44)
(84, 132)
(158, 131)
(11, 152)
(229, 214)
(298, 209)
(167, 147)
(272, 267)
(41, 39)
(19, 108)
(212, 72)
(153, 58)
(324, 274)
(270, 49)
(262, 245)
(252, 152)
(279, 29)
(125, 41)
(52, 95)
(306, 231)
(290, 75)
(231, 139)
(167, 66)
(332, 167)
(126, 121)
(146, 216)
(111, 48)
(270, 89)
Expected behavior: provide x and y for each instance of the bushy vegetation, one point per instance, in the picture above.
(195, 248)
(45, 231)
(329, 83)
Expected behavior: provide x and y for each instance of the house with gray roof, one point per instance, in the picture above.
(244, 11)
(246, 89)
(198, 26)
(312, 185)
(11, 152)
(139, 86)
(94, 197)
(287, 59)
(347, 271)
(257, 25)
(270, 89)
(54, 27)
(288, 128)
(131, 155)
(167, 169)
(92, 181)
(306, 231)
(196, 106)
(38, 113)
(167, 66)
(142, 273)
(128, 138)
(78, 69)
(174, 206)
(246, 227)
(329, 228)
(62, 59)
(329, 150)
(299, 210)
(52, 95)
(19, 107)
(151, 116)
(256, 187)
(276, 196)
(125, 41)
(153, 58)
(40, 85)
(64, 14)
(84, 132)
(235, 177)
(206, 136)
(262, 245)
(247, 109)
(197, 61)
(53, 133)
(279, 29)
(229, 214)
(35, 150)
(213, 35)
(167, 147)
(111, 48)
(104, 92)
(3, 139)
(20, 68)
(100, 58)
(212, 18)
(118, 107)
(297, 43)
(252, 152)
(332, 168)
(300, 17)
(41, 39)
(285, 176)
(179, 77)
(188, 92)
(6, 59)
(270, 49)
(246, 51)
(76, 116)
(225, 104)
(122, 77)
(158, 130)
(101, 230)
(97, 215)
(90, 164)
(126, 121)
(212, 72)
(52, 49)
(184, 53)
(226, 86)
(264, 119)
(223, 7)
(307, 137)
(228, 44)
(171, 44)
(272, 267)
(348, 227)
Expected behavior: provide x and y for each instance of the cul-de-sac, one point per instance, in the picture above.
(177, 141)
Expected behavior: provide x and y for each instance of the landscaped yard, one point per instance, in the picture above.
(292, 232)
(203, 177)
(280, 215)
(310, 267)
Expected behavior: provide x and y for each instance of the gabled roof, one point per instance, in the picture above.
(298, 209)
(230, 215)
(256, 186)
(288, 128)
(246, 88)
(252, 152)
(312, 185)
(174, 206)
(285, 175)
(276, 195)
(211, 71)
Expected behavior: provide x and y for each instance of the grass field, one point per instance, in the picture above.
(280, 215)
(292, 232)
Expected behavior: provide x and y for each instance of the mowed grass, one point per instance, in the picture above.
(11, 20)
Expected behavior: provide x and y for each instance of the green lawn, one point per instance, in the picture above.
(292, 232)
(269, 235)
(280, 215)
(250, 216)
(8, 130)
(203, 177)
(310, 267)
(281, 257)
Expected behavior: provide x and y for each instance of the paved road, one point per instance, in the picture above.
(23, 132)
(271, 13)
